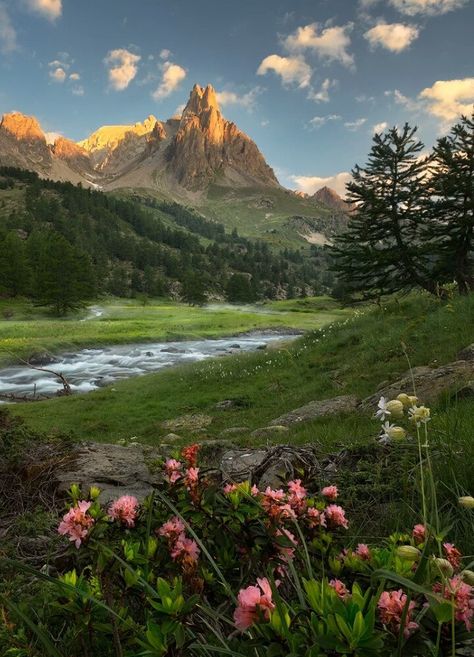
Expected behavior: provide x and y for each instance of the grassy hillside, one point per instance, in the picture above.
(30, 330)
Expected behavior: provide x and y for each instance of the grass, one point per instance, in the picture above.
(30, 330)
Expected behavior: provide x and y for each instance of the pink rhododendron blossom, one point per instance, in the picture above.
(185, 550)
(336, 516)
(419, 534)
(296, 489)
(124, 510)
(173, 470)
(172, 528)
(190, 453)
(76, 523)
(254, 491)
(271, 495)
(340, 588)
(391, 607)
(252, 603)
(230, 488)
(363, 552)
(315, 518)
(330, 492)
(462, 595)
(452, 554)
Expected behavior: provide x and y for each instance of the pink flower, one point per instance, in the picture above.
(252, 603)
(190, 453)
(419, 534)
(296, 489)
(76, 523)
(185, 550)
(336, 516)
(363, 551)
(124, 510)
(271, 495)
(330, 492)
(340, 588)
(230, 488)
(315, 518)
(452, 554)
(287, 552)
(391, 607)
(462, 595)
(254, 491)
(173, 470)
(172, 529)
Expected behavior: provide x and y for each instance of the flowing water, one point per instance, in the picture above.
(90, 369)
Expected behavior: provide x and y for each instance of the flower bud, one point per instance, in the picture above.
(395, 407)
(467, 502)
(443, 566)
(405, 399)
(408, 552)
(468, 577)
(413, 401)
(94, 492)
(396, 433)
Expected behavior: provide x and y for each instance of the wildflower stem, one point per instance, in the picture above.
(422, 476)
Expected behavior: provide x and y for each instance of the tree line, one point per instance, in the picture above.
(413, 219)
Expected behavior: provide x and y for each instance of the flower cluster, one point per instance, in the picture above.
(461, 595)
(253, 603)
(76, 523)
(182, 549)
(391, 606)
(124, 510)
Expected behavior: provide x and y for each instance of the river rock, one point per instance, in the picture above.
(194, 422)
(116, 470)
(429, 382)
(234, 346)
(267, 432)
(42, 359)
(172, 350)
(318, 408)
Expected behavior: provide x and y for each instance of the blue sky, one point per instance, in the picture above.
(308, 80)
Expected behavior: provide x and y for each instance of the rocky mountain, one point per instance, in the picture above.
(331, 199)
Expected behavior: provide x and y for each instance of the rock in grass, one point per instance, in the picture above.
(188, 423)
(268, 432)
(234, 431)
(238, 464)
(467, 353)
(171, 438)
(318, 408)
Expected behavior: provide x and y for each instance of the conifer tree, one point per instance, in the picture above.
(451, 211)
(15, 271)
(381, 251)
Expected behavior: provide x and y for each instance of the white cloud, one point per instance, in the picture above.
(165, 53)
(448, 99)
(50, 9)
(409, 104)
(322, 96)
(123, 67)
(318, 121)
(246, 100)
(58, 74)
(379, 127)
(311, 184)
(7, 32)
(427, 7)
(173, 75)
(353, 126)
(265, 123)
(292, 70)
(330, 43)
(78, 90)
(392, 36)
(75, 77)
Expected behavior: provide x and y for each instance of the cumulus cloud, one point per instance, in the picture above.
(392, 36)
(246, 100)
(292, 70)
(322, 94)
(379, 127)
(427, 7)
(448, 99)
(173, 75)
(330, 43)
(165, 53)
(75, 77)
(58, 74)
(318, 121)
(7, 32)
(353, 126)
(311, 184)
(50, 9)
(122, 67)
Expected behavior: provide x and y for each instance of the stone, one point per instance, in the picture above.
(171, 438)
(429, 382)
(172, 350)
(193, 422)
(238, 464)
(467, 353)
(262, 347)
(225, 404)
(42, 359)
(267, 432)
(116, 470)
(466, 392)
(234, 431)
(235, 345)
(318, 408)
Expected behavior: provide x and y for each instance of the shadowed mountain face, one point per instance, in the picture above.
(184, 154)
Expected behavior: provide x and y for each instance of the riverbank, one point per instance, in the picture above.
(27, 331)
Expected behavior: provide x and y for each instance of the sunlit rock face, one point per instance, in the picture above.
(23, 143)
(206, 145)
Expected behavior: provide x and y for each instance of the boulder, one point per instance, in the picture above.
(191, 423)
(170, 438)
(429, 382)
(234, 431)
(467, 353)
(318, 408)
(116, 470)
(238, 464)
(267, 432)
(466, 392)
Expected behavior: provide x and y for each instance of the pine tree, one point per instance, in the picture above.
(381, 251)
(452, 204)
(15, 271)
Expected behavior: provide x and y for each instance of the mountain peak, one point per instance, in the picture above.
(201, 99)
(22, 127)
(332, 199)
